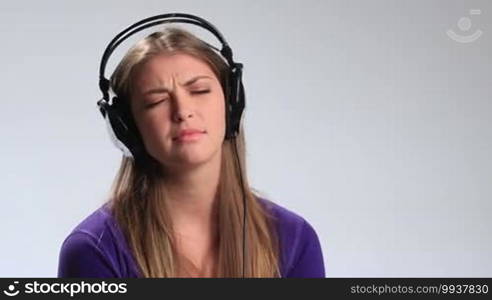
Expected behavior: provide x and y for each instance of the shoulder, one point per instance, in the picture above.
(95, 248)
(288, 222)
(94, 225)
(301, 254)
(281, 214)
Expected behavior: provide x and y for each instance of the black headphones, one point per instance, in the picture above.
(118, 117)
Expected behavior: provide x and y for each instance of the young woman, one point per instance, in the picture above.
(182, 215)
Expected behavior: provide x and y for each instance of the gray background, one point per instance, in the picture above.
(363, 117)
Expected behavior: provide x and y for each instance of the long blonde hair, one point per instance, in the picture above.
(136, 192)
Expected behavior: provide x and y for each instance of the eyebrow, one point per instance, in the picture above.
(166, 90)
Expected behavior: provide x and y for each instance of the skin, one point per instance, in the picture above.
(195, 166)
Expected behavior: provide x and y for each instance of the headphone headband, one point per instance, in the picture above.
(226, 51)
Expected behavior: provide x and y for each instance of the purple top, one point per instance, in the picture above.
(97, 248)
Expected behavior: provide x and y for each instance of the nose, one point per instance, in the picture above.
(182, 107)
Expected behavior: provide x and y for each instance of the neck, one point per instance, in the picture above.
(192, 194)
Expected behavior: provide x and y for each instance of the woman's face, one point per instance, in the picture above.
(175, 92)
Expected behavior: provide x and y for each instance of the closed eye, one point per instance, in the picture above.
(154, 104)
(200, 92)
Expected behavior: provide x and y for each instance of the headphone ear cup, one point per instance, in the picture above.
(121, 131)
(236, 104)
(239, 108)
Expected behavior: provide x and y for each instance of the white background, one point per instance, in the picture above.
(363, 117)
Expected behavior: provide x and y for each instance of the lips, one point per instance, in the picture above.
(186, 132)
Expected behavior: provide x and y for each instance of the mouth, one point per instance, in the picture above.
(189, 136)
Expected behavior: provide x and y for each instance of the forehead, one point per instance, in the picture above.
(165, 67)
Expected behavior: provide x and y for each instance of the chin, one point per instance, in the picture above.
(192, 158)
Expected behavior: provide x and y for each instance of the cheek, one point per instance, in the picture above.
(218, 117)
(154, 130)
